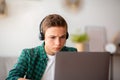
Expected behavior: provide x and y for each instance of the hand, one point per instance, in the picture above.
(22, 79)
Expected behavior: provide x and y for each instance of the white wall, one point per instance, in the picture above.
(20, 28)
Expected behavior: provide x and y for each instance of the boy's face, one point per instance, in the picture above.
(55, 38)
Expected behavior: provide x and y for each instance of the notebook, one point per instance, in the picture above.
(82, 66)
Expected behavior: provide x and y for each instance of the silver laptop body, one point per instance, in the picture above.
(82, 66)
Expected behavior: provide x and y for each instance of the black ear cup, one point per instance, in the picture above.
(67, 35)
(41, 36)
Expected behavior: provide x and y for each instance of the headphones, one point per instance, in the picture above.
(41, 35)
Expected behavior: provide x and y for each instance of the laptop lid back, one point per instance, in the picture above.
(82, 66)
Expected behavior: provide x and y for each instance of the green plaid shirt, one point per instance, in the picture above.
(32, 63)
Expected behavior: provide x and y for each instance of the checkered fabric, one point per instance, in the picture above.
(32, 63)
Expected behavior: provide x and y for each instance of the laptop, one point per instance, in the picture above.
(82, 66)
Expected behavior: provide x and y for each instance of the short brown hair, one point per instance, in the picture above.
(52, 20)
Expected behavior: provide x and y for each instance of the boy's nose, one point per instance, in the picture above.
(57, 41)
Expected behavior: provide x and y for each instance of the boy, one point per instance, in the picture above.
(38, 63)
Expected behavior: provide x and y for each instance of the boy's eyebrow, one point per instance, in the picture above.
(60, 36)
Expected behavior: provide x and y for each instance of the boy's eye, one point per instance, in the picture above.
(63, 37)
(52, 37)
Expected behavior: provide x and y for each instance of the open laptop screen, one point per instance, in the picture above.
(82, 66)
